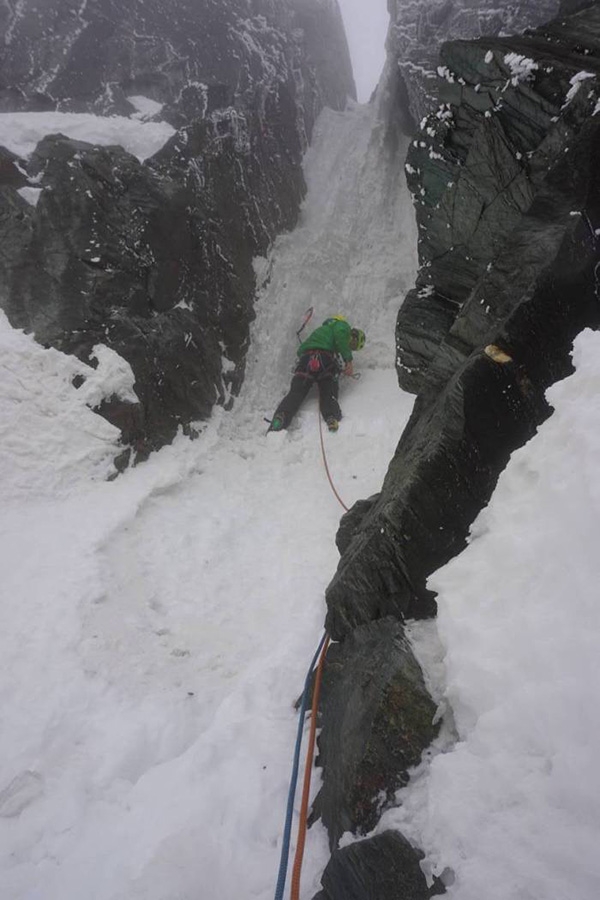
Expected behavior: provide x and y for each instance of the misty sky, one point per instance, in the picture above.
(366, 26)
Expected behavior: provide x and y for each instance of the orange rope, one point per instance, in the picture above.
(302, 826)
(325, 461)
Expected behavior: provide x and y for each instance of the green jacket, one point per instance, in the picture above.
(332, 335)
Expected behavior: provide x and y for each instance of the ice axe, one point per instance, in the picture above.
(307, 317)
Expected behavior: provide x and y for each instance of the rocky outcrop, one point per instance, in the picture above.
(194, 57)
(351, 521)
(377, 721)
(385, 867)
(508, 203)
(506, 184)
(154, 258)
(418, 29)
(491, 185)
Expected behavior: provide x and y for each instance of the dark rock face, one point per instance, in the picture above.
(377, 721)
(351, 521)
(154, 259)
(385, 867)
(419, 28)
(195, 57)
(508, 203)
(446, 465)
(494, 197)
(10, 173)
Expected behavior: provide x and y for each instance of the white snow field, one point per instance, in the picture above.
(157, 628)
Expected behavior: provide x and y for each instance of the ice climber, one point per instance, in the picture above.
(325, 353)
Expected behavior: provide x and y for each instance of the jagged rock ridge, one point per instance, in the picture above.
(507, 204)
(418, 29)
(155, 258)
(507, 191)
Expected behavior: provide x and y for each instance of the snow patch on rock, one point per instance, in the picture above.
(21, 132)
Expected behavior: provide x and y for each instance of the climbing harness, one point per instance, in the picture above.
(319, 364)
(314, 363)
(285, 848)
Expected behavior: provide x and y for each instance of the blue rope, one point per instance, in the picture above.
(285, 849)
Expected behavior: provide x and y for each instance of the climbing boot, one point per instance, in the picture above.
(332, 424)
(276, 424)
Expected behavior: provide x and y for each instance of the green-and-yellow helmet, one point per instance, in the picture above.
(357, 337)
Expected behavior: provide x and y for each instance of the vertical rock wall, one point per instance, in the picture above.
(505, 178)
(155, 258)
(506, 187)
(418, 29)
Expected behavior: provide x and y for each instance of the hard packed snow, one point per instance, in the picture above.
(21, 132)
(51, 443)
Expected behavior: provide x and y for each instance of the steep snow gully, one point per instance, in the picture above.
(158, 627)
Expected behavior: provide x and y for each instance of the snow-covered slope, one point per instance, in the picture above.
(51, 443)
(157, 628)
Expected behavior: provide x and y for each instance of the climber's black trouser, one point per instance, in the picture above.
(314, 367)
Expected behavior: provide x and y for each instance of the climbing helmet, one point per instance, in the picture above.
(357, 336)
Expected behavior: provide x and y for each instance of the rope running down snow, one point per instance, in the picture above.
(285, 848)
(325, 462)
(302, 824)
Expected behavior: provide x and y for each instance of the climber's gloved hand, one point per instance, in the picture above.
(349, 368)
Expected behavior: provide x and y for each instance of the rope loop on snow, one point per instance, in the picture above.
(285, 848)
